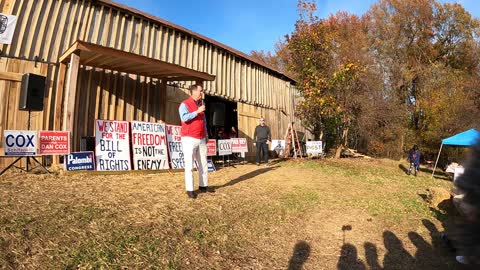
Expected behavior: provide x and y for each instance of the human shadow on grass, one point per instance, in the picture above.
(426, 171)
(246, 177)
(301, 252)
(435, 256)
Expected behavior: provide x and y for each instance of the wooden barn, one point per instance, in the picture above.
(104, 60)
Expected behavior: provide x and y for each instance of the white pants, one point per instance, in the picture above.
(198, 148)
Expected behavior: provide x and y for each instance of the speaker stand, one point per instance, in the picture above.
(28, 169)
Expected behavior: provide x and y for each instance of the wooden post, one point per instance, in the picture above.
(70, 94)
(58, 104)
(163, 100)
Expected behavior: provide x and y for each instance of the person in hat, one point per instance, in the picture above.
(414, 160)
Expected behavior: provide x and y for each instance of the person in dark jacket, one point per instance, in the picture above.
(261, 139)
(468, 228)
(414, 159)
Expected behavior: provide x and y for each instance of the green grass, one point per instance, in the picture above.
(119, 224)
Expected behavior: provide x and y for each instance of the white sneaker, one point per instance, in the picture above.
(461, 259)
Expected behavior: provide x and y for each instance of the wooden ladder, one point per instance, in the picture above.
(292, 135)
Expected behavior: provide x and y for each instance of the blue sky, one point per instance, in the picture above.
(250, 24)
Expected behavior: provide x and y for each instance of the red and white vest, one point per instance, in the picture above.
(195, 127)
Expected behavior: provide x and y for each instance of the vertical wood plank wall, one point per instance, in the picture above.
(47, 28)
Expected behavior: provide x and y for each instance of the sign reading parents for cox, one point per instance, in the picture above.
(175, 148)
(54, 142)
(18, 143)
(149, 146)
(79, 161)
(211, 147)
(112, 148)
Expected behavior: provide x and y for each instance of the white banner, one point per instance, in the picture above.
(112, 146)
(18, 143)
(277, 145)
(175, 148)
(224, 147)
(149, 146)
(314, 147)
(7, 28)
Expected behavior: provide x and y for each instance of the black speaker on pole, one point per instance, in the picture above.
(32, 92)
(218, 114)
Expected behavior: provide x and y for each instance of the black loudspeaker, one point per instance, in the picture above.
(87, 143)
(218, 114)
(32, 92)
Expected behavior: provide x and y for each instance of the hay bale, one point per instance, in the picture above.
(437, 196)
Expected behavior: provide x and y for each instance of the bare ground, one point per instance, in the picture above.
(345, 214)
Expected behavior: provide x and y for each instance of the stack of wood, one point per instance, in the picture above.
(352, 153)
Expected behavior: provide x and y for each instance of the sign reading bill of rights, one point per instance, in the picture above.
(54, 142)
(18, 143)
(112, 147)
(149, 146)
(80, 161)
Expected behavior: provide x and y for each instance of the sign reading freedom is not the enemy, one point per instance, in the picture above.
(112, 147)
(149, 146)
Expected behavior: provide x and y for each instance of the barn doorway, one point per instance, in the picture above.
(222, 118)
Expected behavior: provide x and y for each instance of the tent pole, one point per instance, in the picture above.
(436, 162)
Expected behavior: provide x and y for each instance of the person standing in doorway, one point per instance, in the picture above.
(194, 139)
(414, 159)
(261, 139)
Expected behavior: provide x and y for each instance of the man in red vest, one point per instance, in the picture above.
(194, 139)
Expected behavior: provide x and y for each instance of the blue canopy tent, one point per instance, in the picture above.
(466, 138)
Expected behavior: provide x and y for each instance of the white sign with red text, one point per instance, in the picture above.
(239, 145)
(175, 148)
(149, 146)
(112, 146)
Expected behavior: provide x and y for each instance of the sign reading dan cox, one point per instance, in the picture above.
(112, 147)
(149, 146)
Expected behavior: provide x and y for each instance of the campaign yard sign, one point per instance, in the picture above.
(7, 28)
(277, 145)
(212, 148)
(112, 146)
(224, 147)
(149, 146)
(239, 145)
(54, 142)
(210, 165)
(314, 147)
(19, 143)
(80, 161)
(175, 149)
